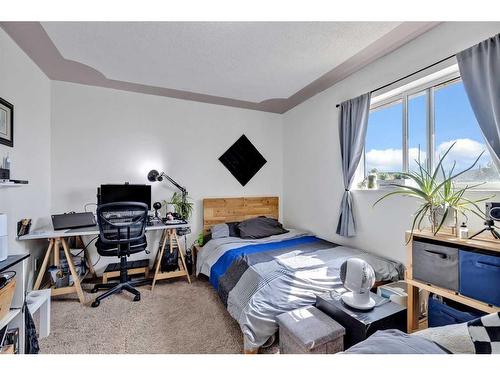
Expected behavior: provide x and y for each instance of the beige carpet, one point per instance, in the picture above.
(175, 318)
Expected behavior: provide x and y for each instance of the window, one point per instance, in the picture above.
(417, 130)
(383, 147)
(455, 122)
(420, 124)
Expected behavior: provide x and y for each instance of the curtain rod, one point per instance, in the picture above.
(409, 75)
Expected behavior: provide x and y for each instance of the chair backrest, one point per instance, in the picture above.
(121, 222)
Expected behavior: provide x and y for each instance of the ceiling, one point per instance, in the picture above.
(248, 61)
(270, 66)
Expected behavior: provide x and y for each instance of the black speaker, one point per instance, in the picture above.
(493, 210)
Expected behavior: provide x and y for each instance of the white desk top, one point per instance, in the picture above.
(89, 231)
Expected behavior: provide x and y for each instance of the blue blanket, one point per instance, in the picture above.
(225, 261)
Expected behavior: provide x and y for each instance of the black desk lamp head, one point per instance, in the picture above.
(154, 175)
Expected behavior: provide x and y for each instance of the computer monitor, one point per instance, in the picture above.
(124, 193)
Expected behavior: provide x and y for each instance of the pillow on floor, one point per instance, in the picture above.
(454, 337)
(393, 341)
(485, 333)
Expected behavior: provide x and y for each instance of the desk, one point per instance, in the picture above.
(57, 238)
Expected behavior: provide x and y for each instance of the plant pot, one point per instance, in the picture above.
(436, 216)
(372, 181)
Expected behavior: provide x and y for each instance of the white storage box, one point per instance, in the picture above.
(397, 293)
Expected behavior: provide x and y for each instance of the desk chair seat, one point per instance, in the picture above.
(121, 233)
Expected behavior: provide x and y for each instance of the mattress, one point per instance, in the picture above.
(259, 279)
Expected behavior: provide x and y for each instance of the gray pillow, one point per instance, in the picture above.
(260, 227)
(220, 231)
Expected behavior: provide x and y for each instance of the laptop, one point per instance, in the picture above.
(73, 220)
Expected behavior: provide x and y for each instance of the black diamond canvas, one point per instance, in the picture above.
(243, 160)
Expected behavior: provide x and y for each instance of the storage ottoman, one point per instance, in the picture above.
(309, 331)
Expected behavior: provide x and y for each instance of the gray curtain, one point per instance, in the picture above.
(480, 71)
(353, 119)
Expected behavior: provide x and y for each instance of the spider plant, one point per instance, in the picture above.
(181, 205)
(437, 194)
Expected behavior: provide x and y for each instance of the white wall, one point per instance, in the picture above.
(312, 169)
(88, 142)
(109, 136)
(28, 89)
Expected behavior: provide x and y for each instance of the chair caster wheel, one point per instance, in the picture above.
(94, 290)
(137, 298)
(95, 303)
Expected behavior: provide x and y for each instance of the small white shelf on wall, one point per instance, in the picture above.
(10, 184)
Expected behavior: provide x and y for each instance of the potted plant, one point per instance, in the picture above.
(181, 205)
(441, 199)
(372, 181)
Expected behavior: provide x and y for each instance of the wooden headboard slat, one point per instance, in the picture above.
(225, 210)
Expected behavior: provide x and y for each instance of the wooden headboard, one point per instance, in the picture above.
(225, 210)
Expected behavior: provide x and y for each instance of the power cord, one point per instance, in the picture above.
(88, 204)
(87, 245)
(85, 248)
(98, 259)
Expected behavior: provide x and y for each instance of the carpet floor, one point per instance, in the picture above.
(176, 318)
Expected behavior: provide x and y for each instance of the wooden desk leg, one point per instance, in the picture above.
(413, 309)
(76, 278)
(159, 256)
(181, 254)
(43, 268)
(57, 261)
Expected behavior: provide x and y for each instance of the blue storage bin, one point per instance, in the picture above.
(449, 312)
(480, 276)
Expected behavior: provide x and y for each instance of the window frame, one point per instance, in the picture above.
(404, 95)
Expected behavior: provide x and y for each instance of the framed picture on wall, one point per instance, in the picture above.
(6, 123)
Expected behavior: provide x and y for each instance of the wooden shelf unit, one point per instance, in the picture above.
(479, 243)
(455, 296)
(9, 317)
(15, 317)
(482, 242)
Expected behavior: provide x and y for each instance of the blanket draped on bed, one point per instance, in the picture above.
(225, 261)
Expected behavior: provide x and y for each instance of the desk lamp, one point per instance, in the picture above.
(154, 175)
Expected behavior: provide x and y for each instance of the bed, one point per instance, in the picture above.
(258, 279)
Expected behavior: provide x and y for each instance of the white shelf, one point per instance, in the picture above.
(9, 317)
(10, 184)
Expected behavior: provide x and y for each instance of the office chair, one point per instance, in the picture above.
(121, 233)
